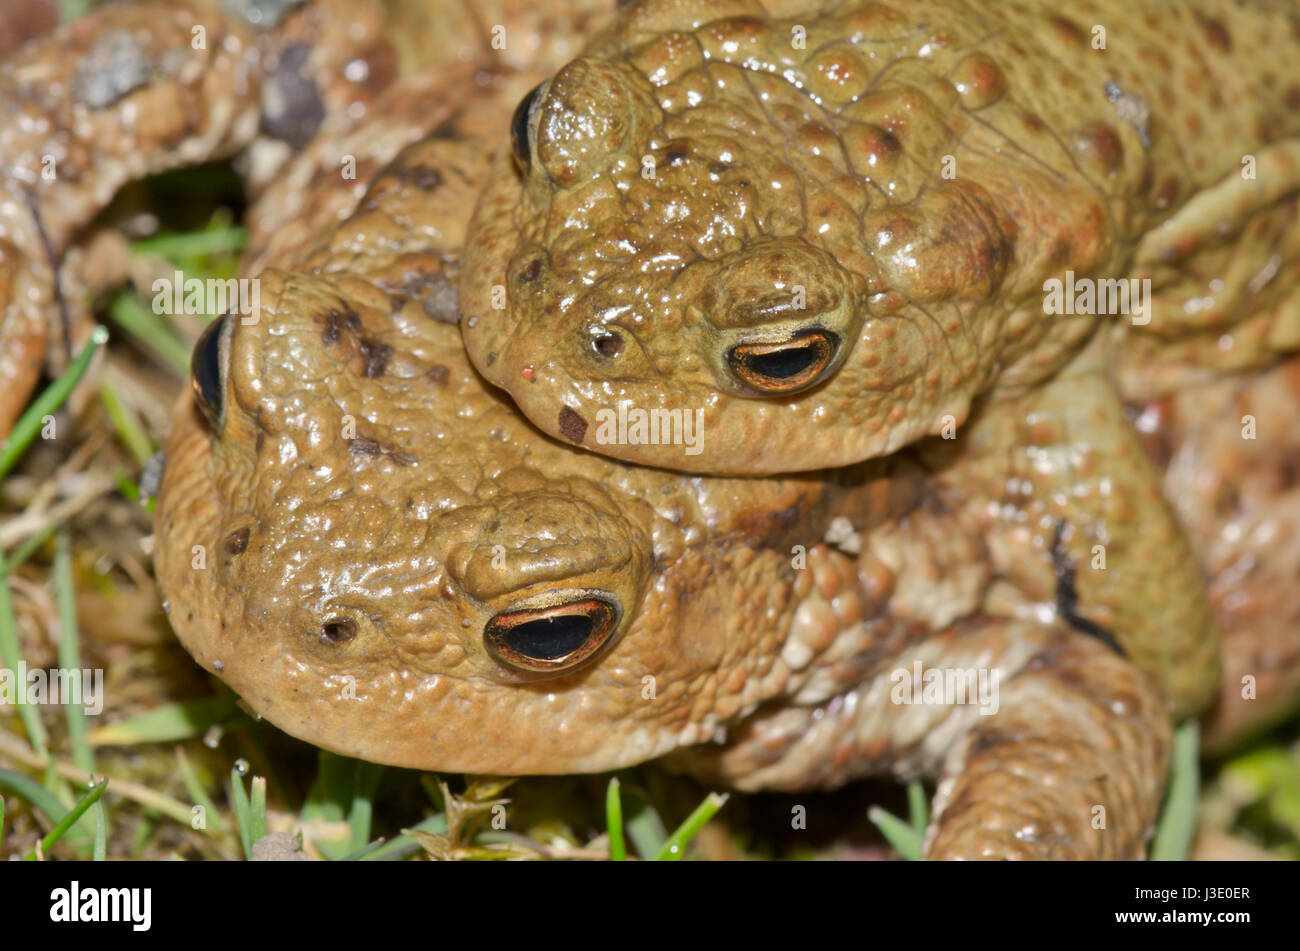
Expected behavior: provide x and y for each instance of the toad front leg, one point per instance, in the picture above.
(1062, 463)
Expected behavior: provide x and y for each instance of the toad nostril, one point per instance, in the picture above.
(338, 631)
(608, 345)
(551, 639)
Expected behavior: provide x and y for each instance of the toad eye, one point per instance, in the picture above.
(521, 127)
(786, 366)
(552, 639)
(207, 370)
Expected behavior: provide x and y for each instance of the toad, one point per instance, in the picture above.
(384, 558)
(830, 233)
(381, 555)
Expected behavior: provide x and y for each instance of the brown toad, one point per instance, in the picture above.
(828, 231)
(384, 559)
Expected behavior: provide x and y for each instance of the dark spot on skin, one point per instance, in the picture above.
(237, 541)
(608, 345)
(361, 446)
(1287, 471)
(677, 153)
(1216, 34)
(438, 374)
(1067, 30)
(376, 356)
(1292, 96)
(887, 143)
(717, 168)
(338, 631)
(572, 425)
(1067, 597)
(986, 740)
(336, 322)
(1166, 193)
(292, 109)
(530, 270)
(424, 177)
(491, 358)
(261, 438)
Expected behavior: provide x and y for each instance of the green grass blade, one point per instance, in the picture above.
(198, 795)
(166, 724)
(24, 787)
(150, 330)
(129, 431)
(362, 812)
(257, 809)
(1177, 823)
(243, 811)
(343, 792)
(24, 551)
(364, 852)
(614, 822)
(401, 846)
(70, 649)
(73, 815)
(645, 829)
(70, 660)
(50, 399)
(918, 807)
(193, 244)
(11, 651)
(897, 833)
(676, 845)
(99, 852)
(140, 837)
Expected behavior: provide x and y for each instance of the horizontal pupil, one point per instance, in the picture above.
(550, 638)
(782, 364)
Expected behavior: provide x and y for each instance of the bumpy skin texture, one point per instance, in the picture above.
(134, 89)
(1228, 450)
(368, 504)
(902, 176)
(394, 526)
(121, 93)
(903, 179)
